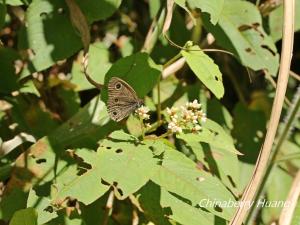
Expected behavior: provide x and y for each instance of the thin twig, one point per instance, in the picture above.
(85, 62)
(261, 163)
(273, 83)
(295, 75)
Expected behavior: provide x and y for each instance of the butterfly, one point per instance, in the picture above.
(122, 99)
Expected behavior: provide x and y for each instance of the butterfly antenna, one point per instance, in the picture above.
(85, 62)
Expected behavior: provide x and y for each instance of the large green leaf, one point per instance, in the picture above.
(149, 198)
(98, 10)
(276, 21)
(212, 134)
(40, 204)
(213, 7)
(115, 162)
(24, 216)
(184, 213)
(84, 129)
(240, 30)
(138, 70)
(180, 175)
(205, 69)
(86, 187)
(50, 33)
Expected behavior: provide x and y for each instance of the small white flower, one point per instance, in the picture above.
(148, 125)
(174, 127)
(172, 111)
(194, 104)
(143, 112)
(203, 119)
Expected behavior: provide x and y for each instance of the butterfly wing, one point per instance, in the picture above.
(122, 99)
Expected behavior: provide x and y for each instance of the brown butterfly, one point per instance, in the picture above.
(122, 99)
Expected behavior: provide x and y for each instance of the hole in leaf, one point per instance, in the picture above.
(49, 209)
(120, 191)
(216, 78)
(71, 202)
(104, 182)
(269, 49)
(248, 49)
(119, 150)
(108, 147)
(39, 161)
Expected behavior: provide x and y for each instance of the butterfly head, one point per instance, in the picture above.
(140, 102)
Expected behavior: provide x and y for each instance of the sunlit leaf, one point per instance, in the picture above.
(180, 175)
(205, 69)
(240, 30)
(24, 216)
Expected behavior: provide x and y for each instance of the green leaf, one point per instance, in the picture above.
(84, 129)
(276, 21)
(98, 55)
(41, 204)
(24, 216)
(180, 175)
(248, 129)
(183, 212)
(296, 215)
(115, 162)
(17, 2)
(98, 10)
(149, 198)
(86, 187)
(11, 202)
(7, 71)
(276, 192)
(218, 113)
(240, 31)
(138, 70)
(212, 134)
(213, 7)
(50, 33)
(205, 69)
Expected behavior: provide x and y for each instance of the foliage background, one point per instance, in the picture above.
(63, 161)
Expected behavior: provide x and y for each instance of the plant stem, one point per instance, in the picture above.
(142, 128)
(172, 60)
(158, 102)
(283, 136)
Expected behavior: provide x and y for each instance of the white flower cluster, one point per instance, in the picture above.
(142, 112)
(188, 117)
